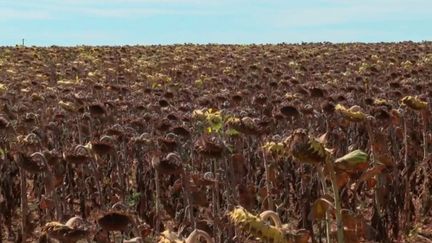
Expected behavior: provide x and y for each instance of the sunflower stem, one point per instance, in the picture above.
(215, 198)
(406, 169)
(23, 205)
(424, 165)
(325, 191)
(340, 232)
(188, 199)
(378, 177)
(267, 181)
(424, 133)
(157, 182)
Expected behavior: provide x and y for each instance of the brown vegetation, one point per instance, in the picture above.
(332, 139)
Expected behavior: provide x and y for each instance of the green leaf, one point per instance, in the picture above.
(232, 132)
(2, 154)
(132, 200)
(199, 82)
(352, 160)
(3, 88)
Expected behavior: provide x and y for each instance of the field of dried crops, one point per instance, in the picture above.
(257, 143)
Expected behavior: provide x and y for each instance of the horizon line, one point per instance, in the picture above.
(223, 44)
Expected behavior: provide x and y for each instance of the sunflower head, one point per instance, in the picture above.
(354, 113)
(255, 226)
(414, 102)
(305, 148)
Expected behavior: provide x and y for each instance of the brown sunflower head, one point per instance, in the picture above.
(114, 221)
(163, 103)
(289, 111)
(305, 148)
(260, 99)
(64, 233)
(168, 143)
(316, 92)
(115, 130)
(77, 159)
(27, 163)
(210, 146)
(181, 131)
(102, 147)
(4, 123)
(97, 109)
(170, 165)
(246, 125)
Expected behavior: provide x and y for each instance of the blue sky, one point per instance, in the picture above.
(116, 22)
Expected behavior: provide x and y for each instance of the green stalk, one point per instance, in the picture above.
(340, 232)
(326, 191)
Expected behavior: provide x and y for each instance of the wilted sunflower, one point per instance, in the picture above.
(4, 123)
(209, 146)
(353, 114)
(245, 125)
(414, 102)
(316, 92)
(260, 99)
(257, 226)
(306, 149)
(101, 147)
(114, 221)
(163, 103)
(28, 164)
(168, 143)
(273, 147)
(170, 165)
(289, 111)
(64, 233)
(74, 158)
(181, 131)
(97, 109)
(164, 124)
(67, 106)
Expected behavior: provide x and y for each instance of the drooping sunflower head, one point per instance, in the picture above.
(256, 227)
(414, 102)
(354, 113)
(304, 148)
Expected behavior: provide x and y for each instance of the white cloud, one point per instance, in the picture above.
(121, 13)
(350, 12)
(139, 12)
(11, 14)
(50, 9)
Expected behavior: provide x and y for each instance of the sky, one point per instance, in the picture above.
(145, 22)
